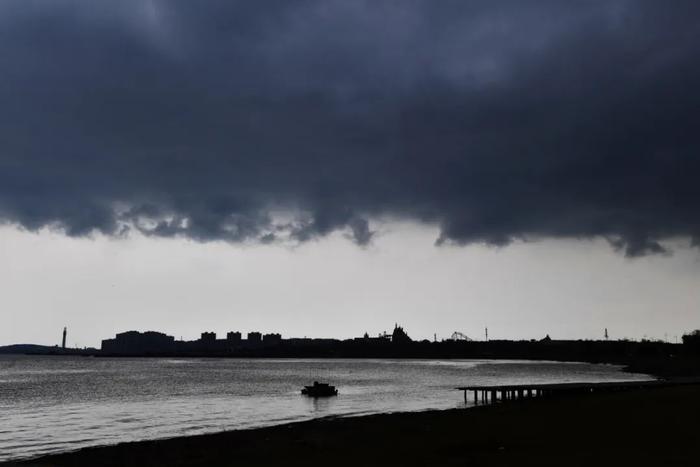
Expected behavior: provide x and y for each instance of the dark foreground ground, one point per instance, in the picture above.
(656, 427)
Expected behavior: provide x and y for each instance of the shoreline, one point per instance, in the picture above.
(646, 427)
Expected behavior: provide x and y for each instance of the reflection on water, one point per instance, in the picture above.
(52, 404)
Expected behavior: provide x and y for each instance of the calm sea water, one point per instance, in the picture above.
(54, 404)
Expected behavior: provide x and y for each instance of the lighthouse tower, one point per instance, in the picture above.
(65, 331)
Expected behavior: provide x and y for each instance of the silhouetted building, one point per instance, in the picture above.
(691, 342)
(233, 337)
(381, 339)
(272, 339)
(254, 338)
(134, 342)
(399, 336)
(65, 332)
(208, 337)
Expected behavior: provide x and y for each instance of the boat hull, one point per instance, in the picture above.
(320, 390)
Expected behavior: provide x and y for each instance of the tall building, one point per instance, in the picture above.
(208, 337)
(233, 337)
(65, 332)
(254, 337)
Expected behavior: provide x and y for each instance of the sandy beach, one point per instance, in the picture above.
(646, 427)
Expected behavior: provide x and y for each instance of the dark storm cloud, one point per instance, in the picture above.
(292, 119)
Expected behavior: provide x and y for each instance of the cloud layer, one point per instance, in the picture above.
(250, 121)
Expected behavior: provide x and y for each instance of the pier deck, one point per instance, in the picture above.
(493, 393)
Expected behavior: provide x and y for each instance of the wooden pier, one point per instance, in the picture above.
(489, 394)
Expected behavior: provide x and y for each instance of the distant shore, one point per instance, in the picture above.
(647, 427)
(592, 351)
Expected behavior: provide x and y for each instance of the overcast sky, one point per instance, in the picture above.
(323, 167)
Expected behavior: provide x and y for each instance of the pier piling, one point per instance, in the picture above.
(494, 393)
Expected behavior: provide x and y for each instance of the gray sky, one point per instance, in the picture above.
(347, 131)
(332, 288)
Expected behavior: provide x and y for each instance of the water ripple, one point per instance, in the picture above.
(62, 404)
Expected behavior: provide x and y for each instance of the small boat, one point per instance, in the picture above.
(319, 390)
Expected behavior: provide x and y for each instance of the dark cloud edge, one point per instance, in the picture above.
(306, 228)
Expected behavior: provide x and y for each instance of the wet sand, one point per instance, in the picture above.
(647, 427)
